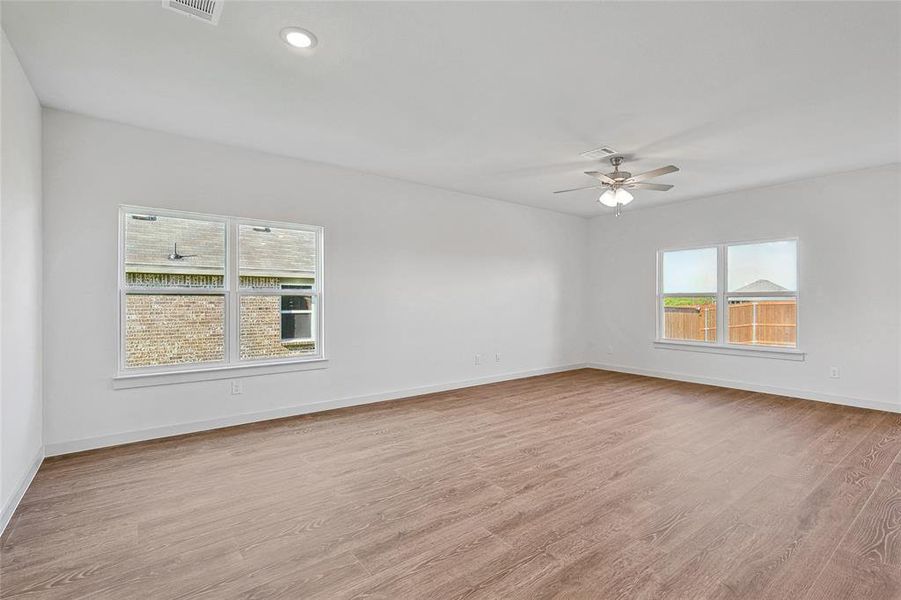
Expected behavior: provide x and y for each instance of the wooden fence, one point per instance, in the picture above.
(770, 323)
(690, 322)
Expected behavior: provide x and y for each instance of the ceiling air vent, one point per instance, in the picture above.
(599, 153)
(207, 11)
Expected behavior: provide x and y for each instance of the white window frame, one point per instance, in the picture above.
(299, 291)
(721, 345)
(232, 293)
(310, 312)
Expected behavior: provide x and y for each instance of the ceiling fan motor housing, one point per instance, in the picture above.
(618, 175)
(621, 180)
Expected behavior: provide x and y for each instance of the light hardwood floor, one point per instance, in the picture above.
(585, 484)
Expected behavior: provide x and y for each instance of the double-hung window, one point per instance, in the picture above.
(297, 319)
(733, 295)
(278, 297)
(688, 298)
(205, 291)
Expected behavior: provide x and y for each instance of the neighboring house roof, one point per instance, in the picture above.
(762, 285)
(272, 253)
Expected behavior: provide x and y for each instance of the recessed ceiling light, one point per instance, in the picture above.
(298, 38)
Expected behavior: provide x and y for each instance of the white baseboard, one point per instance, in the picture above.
(754, 387)
(116, 439)
(13, 503)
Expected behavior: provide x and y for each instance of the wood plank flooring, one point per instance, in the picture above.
(586, 484)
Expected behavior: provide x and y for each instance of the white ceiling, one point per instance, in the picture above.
(495, 99)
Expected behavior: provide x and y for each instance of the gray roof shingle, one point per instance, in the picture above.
(762, 285)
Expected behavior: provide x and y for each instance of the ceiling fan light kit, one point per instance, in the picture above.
(617, 184)
(613, 197)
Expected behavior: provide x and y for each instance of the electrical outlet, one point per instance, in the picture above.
(497, 357)
(478, 359)
(609, 348)
(237, 387)
(834, 373)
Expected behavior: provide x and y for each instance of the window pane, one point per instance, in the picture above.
(763, 268)
(763, 321)
(689, 271)
(297, 303)
(297, 326)
(690, 319)
(273, 258)
(173, 252)
(264, 327)
(173, 329)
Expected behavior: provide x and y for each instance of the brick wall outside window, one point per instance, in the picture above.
(173, 329)
(179, 329)
(261, 330)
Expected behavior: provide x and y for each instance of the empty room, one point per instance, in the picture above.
(446, 300)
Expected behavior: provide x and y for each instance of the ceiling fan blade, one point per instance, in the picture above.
(652, 174)
(588, 187)
(599, 175)
(660, 187)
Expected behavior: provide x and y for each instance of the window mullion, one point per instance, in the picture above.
(121, 326)
(276, 292)
(788, 294)
(232, 300)
(722, 310)
(661, 325)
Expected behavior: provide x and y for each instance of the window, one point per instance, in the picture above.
(277, 271)
(297, 319)
(756, 284)
(689, 295)
(763, 293)
(201, 291)
(297, 315)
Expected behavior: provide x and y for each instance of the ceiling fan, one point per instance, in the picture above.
(619, 182)
(176, 256)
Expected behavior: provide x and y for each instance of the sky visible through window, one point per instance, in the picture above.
(694, 271)
(773, 261)
(689, 271)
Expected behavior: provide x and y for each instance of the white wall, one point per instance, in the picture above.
(20, 282)
(848, 226)
(418, 280)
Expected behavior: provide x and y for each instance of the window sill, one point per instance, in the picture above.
(136, 380)
(733, 349)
